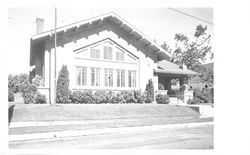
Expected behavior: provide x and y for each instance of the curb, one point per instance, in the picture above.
(48, 123)
(72, 133)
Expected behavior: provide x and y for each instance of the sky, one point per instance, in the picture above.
(160, 24)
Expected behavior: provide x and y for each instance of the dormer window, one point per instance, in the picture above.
(108, 52)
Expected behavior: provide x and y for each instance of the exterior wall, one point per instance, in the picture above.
(66, 55)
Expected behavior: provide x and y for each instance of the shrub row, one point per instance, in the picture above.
(195, 100)
(31, 95)
(205, 96)
(105, 96)
(20, 83)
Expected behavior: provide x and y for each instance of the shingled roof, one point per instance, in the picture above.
(167, 67)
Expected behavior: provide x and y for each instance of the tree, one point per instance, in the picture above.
(62, 87)
(192, 53)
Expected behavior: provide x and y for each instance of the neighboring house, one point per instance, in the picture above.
(104, 52)
(196, 82)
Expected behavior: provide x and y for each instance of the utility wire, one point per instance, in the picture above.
(191, 16)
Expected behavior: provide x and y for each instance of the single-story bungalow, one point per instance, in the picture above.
(105, 52)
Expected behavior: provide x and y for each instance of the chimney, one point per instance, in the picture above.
(39, 25)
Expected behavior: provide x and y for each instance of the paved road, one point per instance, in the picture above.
(187, 138)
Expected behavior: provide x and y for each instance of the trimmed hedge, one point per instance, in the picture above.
(162, 99)
(85, 96)
(106, 96)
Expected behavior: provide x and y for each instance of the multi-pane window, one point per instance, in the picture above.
(119, 56)
(108, 51)
(81, 76)
(108, 77)
(95, 76)
(131, 78)
(94, 53)
(120, 78)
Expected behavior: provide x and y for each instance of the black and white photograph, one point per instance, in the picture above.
(95, 81)
(112, 78)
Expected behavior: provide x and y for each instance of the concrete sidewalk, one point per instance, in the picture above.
(72, 133)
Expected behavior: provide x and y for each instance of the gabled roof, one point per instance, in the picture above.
(167, 67)
(115, 19)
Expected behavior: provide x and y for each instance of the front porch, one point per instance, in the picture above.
(173, 80)
(176, 87)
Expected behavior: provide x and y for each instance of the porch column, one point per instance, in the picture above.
(168, 83)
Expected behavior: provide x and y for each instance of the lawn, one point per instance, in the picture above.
(46, 112)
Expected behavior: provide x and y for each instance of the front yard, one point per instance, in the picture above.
(46, 112)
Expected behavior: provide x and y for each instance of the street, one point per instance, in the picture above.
(182, 138)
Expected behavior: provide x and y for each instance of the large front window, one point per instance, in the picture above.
(95, 76)
(108, 53)
(81, 76)
(108, 77)
(131, 78)
(120, 78)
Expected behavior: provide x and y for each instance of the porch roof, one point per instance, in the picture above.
(167, 67)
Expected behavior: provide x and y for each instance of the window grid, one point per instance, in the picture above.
(81, 76)
(119, 56)
(108, 77)
(120, 78)
(95, 76)
(108, 53)
(131, 78)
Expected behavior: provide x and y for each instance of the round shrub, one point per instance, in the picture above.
(162, 99)
(28, 93)
(11, 96)
(40, 98)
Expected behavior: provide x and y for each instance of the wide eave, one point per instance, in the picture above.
(113, 18)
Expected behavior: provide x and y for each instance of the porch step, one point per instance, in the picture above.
(175, 101)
